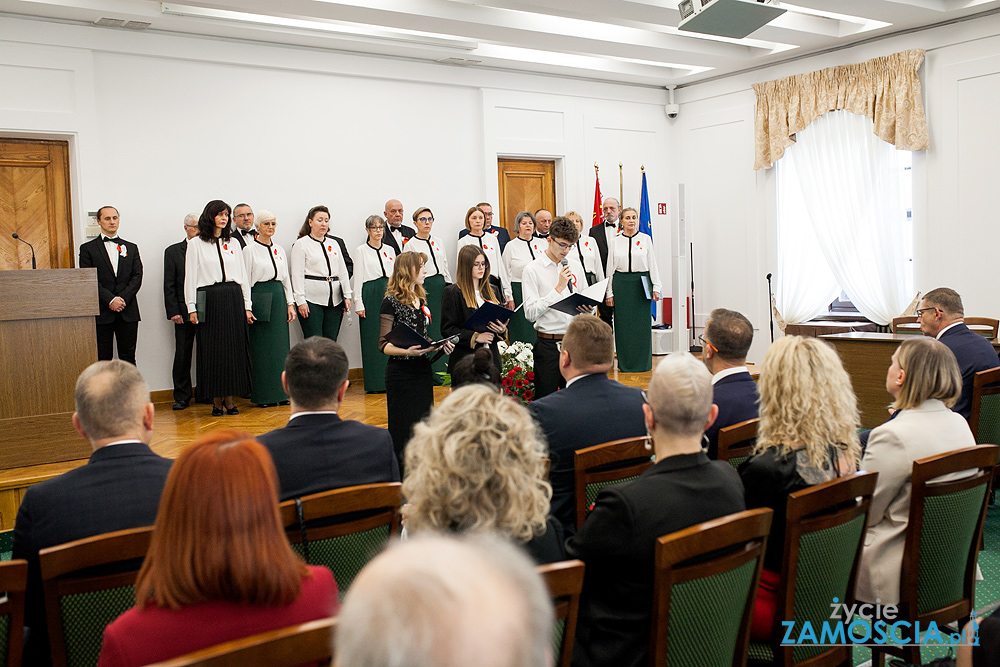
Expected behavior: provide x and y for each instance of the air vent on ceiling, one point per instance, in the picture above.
(106, 22)
(459, 61)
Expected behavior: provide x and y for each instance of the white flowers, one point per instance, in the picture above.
(517, 354)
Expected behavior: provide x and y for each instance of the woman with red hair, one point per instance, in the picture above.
(219, 566)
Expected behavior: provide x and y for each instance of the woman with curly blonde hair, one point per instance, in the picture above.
(477, 464)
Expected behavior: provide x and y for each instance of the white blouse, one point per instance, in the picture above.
(208, 263)
(518, 253)
(491, 248)
(437, 262)
(632, 254)
(322, 259)
(371, 264)
(589, 256)
(267, 262)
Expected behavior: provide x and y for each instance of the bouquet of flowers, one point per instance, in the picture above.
(517, 372)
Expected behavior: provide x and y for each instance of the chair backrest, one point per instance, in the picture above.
(345, 528)
(984, 326)
(295, 645)
(909, 325)
(984, 419)
(824, 535)
(942, 537)
(13, 582)
(602, 465)
(705, 585)
(565, 581)
(87, 584)
(6, 544)
(736, 442)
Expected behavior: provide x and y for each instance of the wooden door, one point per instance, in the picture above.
(35, 203)
(525, 185)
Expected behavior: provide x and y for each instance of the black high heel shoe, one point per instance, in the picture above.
(217, 412)
(233, 410)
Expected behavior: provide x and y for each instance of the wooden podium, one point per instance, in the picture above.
(47, 337)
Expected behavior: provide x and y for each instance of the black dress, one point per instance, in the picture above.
(454, 313)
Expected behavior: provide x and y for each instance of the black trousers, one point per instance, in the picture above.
(184, 335)
(125, 332)
(548, 379)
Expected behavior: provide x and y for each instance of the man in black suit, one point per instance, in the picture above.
(396, 232)
(543, 222)
(317, 450)
(119, 277)
(602, 235)
(591, 410)
(243, 229)
(173, 301)
(503, 236)
(728, 336)
(617, 540)
(119, 487)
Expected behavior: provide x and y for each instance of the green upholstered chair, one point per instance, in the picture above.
(6, 544)
(937, 582)
(984, 419)
(705, 584)
(345, 528)
(824, 534)
(565, 581)
(87, 584)
(13, 581)
(603, 465)
(736, 442)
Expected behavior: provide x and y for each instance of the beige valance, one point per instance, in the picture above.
(885, 89)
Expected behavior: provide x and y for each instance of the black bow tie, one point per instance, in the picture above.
(252, 232)
(611, 224)
(108, 239)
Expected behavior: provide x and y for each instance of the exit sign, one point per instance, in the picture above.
(661, 208)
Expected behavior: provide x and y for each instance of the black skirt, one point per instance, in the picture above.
(224, 343)
(409, 396)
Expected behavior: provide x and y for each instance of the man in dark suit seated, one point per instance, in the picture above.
(617, 540)
(317, 450)
(591, 410)
(727, 340)
(119, 487)
(173, 301)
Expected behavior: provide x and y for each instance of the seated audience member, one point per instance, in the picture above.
(591, 410)
(924, 382)
(727, 340)
(478, 368)
(617, 539)
(808, 435)
(219, 566)
(317, 450)
(445, 602)
(119, 487)
(477, 464)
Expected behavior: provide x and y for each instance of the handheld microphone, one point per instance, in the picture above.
(15, 236)
(565, 262)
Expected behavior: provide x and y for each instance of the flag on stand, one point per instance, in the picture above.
(598, 214)
(645, 225)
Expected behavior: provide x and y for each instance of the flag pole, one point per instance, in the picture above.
(621, 191)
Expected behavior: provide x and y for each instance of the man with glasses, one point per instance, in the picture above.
(243, 222)
(603, 234)
(173, 301)
(396, 232)
(727, 339)
(502, 235)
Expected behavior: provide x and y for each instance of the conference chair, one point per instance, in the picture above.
(87, 584)
(905, 325)
(937, 582)
(705, 584)
(6, 544)
(345, 528)
(565, 581)
(13, 582)
(824, 535)
(306, 643)
(984, 419)
(736, 442)
(984, 326)
(602, 465)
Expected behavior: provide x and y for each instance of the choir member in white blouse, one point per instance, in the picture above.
(632, 266)
(587, 252)
(321, 284)
(438, 275)
(375, 260)
(271, 290)
(475, 222)
(217, 293)
(521, 251)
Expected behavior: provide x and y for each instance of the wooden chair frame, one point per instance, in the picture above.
(382, 501)
(905, 319)
(983, 322)
(287, 647)
(983, 459)
(605, 457)
(60, 565)
(732, 437)
(740, 537)
(14, 582)
(565, 581)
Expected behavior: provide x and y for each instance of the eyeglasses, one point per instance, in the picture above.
(425, 219)
(480, 265)
(244, 215)
(564, 246)
(701, 338)
(377, 228)
(920, 311)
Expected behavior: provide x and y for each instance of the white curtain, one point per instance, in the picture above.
(849, 182)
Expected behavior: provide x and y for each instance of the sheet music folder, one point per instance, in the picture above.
(589, 297)
(403, 336)
(488, 312)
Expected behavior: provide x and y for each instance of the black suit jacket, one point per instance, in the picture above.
(454, 313)
(321, 452)
(347, 256)
(125, 284)
(591, 411)
(387, 237)
(617, 543)
(600, 236)
(736, 395)
(173, 280)
(240, 238)
(974, 353)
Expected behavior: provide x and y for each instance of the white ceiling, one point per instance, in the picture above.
(632, 41)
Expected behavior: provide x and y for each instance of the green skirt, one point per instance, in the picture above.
(520, 328)
(633, 324)
(372, 359)
(268, 341)
(434, 286)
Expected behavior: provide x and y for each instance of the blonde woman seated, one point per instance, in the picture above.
(924, 381)
(807, 435)
(477, 465)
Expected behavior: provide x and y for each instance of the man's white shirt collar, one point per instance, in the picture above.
(126, 441)
(578, 377)
(312, 412)
(941, 333)
(727, 372)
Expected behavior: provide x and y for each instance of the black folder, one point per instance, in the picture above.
(405, 337)
(589, 297)
(480, 320)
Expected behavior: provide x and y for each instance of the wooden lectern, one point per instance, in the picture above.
(47, 337)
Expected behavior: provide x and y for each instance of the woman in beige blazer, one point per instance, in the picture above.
(925, 382)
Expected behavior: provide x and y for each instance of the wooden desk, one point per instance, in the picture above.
(819, 328)
(866, 358)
